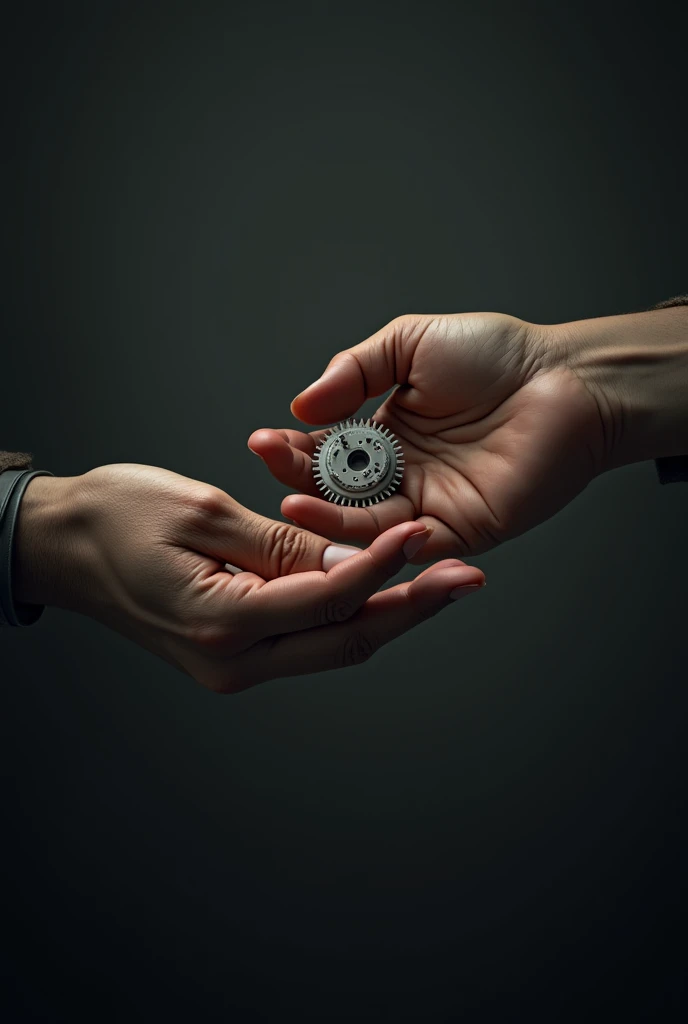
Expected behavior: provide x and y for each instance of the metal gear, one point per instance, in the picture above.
(358, 463)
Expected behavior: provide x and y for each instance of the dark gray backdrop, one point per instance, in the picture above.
(201, 204)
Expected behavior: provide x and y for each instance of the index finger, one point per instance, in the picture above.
(302, 600)
(339, 522)
(288, 455)
(383, 617)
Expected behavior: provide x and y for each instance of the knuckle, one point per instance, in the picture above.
(209, 501)
(356, 649)
(212, 638)
(405, 324)
(287, 546)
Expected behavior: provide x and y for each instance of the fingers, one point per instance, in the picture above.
(361, 372)
(384, 617)
(287, 454)
(355, 525)
(304, 600)
(272, 549)
(362, 525)
(446, 542)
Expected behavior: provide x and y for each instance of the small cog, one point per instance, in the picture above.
(358, 462)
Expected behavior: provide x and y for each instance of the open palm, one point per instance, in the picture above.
(498, 433)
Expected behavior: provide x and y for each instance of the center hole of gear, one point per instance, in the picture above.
(358, 460)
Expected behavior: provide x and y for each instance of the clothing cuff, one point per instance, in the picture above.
(672, 469)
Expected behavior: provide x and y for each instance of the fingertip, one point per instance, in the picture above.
(300, 406)
(290, 505)
(464, 590)
(446, 579)
(260, 439)
(293, 407)
(416, 541)
(337, 393)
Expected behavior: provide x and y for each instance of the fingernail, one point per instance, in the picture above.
(462, 591)
(337, 553)
(415, 543)
(234, 569)
(254, 451)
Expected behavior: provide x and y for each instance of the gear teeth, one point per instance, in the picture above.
(329, 488)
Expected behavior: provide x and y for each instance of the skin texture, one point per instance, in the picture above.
(485, 418)
(502, 422)
(144, 551)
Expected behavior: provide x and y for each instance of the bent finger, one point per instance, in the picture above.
(367, 369)
(349, 524)
(384, 617)
(304, 600)
(289, 458)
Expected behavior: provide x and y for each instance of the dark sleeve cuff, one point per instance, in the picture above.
(673, 469)
(15, 460)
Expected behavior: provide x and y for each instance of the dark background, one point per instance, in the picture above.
(201, 203)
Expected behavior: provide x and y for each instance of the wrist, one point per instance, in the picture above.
(47, 553)
(635, 366)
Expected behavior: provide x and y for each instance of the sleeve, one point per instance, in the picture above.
(14, 460)
(672, 469)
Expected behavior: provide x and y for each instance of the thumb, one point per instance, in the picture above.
(364, 371)
(272, 549)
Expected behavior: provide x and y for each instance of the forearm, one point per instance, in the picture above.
(636, 368)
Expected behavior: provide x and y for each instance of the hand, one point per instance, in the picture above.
(499, 432)
(144, 551)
